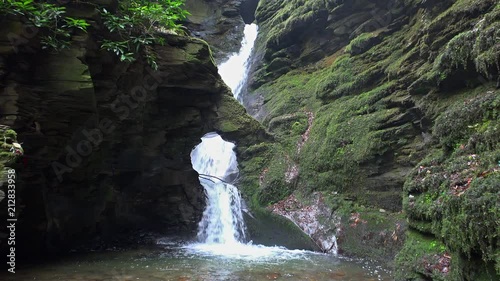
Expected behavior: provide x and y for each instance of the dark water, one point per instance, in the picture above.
(170, 261)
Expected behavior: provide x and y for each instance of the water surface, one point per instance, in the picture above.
(202, 262)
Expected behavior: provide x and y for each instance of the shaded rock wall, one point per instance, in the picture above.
(107, 144)
(220, 23)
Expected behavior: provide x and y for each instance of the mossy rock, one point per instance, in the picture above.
(423, 90)
(279, 63)
(289, 125)
(476, 115)
(362, 43)
(234, 122)
(453, 193)
(7, 139)
(376, 235)
(266, 228)
(417, 258)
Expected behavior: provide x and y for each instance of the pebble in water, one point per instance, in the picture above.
(337, 275)
(273, 276)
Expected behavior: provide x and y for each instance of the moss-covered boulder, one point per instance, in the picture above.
(11, 150)
(452, 196)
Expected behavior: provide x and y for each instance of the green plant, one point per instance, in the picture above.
(76, 23)
(137, 23)
(120, 48)
(133, 26)
(56, 30)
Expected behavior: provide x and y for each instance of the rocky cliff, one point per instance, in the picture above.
(386, 116)
(107, 143)
(220, 23)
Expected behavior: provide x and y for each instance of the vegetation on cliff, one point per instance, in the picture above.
(132, 24)
(10, 150)
(393, 87)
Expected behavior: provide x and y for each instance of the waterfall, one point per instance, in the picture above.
(215, 160)
(235, 70)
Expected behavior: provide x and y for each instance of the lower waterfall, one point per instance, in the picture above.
(215, 161)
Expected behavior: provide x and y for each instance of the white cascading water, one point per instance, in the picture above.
(235, 70)
(215, 161)
(222, 229)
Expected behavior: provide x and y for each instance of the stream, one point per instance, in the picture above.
(173, 261)
(222, 250)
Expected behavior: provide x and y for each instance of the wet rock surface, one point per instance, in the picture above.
(219, 23)
(311, 219)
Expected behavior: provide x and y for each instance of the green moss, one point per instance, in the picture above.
(344, 135)
(288, 94)
(283, 19)
(233, 118)
(418, 252)
(299, 128)
(471, 222)
(10, 134)
(275, 188)
(360, 43)
(463, 119)
(344, 78)
(7, 138)
(453, 193)
(289, 125)
(391, 106)
(477, 45)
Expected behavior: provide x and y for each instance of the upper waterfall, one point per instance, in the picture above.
(234, 71)
(215, 161)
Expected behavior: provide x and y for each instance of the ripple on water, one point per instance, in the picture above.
(198, 262)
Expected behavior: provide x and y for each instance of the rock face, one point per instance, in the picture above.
(309, 219)
(357, 94)
(219, 23)
(107, 144)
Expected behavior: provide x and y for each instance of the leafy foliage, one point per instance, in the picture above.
(137, 21)
(48, 17)
(133, 27)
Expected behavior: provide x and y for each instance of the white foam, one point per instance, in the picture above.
(247, 251)
(234, 71)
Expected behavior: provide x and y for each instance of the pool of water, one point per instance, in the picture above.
(201, 262)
